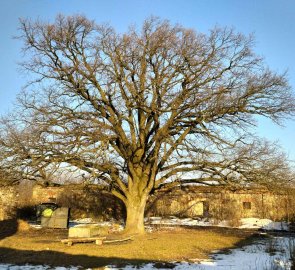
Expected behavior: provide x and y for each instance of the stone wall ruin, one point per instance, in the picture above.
(190, 201)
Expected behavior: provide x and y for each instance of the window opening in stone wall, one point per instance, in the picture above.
(247, 205)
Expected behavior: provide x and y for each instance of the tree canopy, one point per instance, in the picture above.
(149, 108)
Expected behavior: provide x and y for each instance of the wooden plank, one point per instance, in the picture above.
(117, 240)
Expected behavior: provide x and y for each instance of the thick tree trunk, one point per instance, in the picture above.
(135, 215)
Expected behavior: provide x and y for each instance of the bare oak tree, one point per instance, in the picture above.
(148, 108)
(21, 154)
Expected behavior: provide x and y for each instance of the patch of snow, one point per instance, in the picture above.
(177, 221)
(266, 224)
(255, 256)
(247, 223)
(208, 262)
(153, 218)
(83, 220)
(223, 223)
(88, 221)
(35, 226)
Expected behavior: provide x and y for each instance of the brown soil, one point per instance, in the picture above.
(43, 246)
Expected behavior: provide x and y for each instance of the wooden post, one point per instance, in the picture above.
(98, 242)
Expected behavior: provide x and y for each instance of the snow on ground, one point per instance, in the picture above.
(246, 223)
(269, 253)
(87, 221)
(113, 226)
(83, 220)
(266, 224)
(177, 221)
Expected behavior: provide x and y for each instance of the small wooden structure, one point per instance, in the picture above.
(71, 241)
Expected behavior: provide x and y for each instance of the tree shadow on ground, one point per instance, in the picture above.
(55, 259)
(8, 228)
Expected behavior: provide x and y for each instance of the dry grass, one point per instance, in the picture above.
(44, 247)
(23, 225)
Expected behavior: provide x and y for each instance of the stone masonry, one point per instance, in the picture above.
(197, 201)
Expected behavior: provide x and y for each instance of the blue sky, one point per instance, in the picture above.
(272, 22)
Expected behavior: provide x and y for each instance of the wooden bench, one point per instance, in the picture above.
(71, 241)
